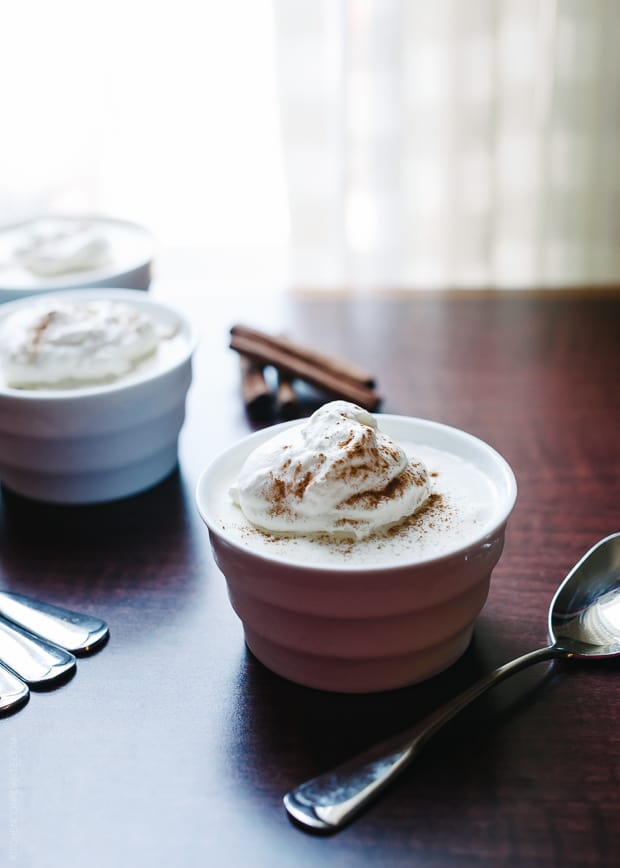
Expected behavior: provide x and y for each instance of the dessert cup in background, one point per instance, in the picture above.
(116, 253)
(98, 442)
(363, 615)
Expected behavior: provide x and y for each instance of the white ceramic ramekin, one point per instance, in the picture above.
(132, 250)
(355, 627)
(103, 442)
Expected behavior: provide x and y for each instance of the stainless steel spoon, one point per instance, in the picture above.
(81, 634)
(584, 623)
(34, 660)
(13, 691)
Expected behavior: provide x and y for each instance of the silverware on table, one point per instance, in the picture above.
(80, 634)
(13, 691)
(34, 660)
(38, 644)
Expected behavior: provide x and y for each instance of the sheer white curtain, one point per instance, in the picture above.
(160, 111)
(453, 142)
(378, 142)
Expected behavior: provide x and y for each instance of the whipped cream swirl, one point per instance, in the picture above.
(335, 474)
(60, 343)
(53, 248)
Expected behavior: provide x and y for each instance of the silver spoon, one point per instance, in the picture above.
(13, 691)
(584, 623)
(34, 660)
(81, 634)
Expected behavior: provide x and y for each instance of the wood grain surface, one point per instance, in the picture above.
(173, 746)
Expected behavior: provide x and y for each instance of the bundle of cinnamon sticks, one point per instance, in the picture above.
(294, 362)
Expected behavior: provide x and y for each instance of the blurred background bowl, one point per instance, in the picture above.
(131, 249)
(102, 442)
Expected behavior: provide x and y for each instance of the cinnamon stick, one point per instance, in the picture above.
(343, 370)
(288, 403)
(263, 352)
(257, 396)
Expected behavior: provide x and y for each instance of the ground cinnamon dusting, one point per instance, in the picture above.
(394, 489)
(277, 492)
(433, 514)
(434, 506)
(39, 330)
(436, 513)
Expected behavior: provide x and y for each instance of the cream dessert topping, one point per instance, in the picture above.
(336, 474)
(53, 248)
(55, 342)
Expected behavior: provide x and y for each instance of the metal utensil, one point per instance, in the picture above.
(34, 660)
(80, 634)
(584, 623)
(13, 691)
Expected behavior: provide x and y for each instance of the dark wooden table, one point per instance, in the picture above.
(173, 746)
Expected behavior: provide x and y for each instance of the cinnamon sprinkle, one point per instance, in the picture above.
(39, 329)
(394, 489)
(435, 513)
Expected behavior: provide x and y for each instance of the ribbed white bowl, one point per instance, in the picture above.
(98, 443)
(352, 627)
(132, 251)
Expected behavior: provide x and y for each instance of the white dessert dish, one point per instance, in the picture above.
(58, 252)
(384, 611)
(85, 442)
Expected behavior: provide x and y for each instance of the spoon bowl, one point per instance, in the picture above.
(584, 623)
(584, 616)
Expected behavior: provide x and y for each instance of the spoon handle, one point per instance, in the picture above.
(34, 660)
(13, 691)
(78, 633)
(330, 800)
